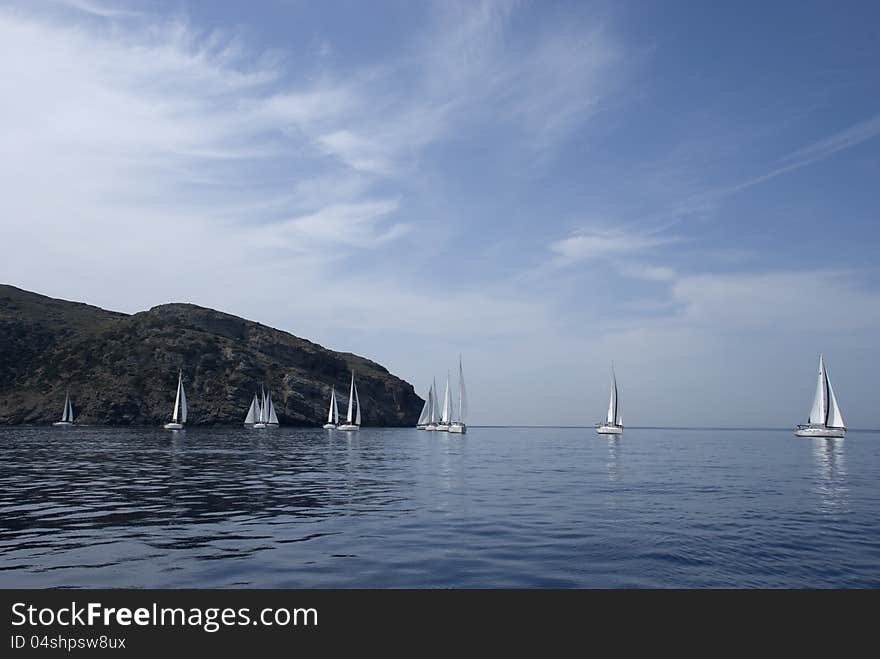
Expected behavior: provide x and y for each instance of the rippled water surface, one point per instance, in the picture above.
(499, 507)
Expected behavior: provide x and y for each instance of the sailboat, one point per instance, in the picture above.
(433, 414)
(262, 412)
(446, 415)
(67, 414)
(333, 414)
(178, 418)
(253, 414)
(459, 425)
(425, 416)
(825, 417)
(613, 424)
(352, 400)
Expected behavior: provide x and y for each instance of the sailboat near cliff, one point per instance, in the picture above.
(178, 417)
(333, 414)
(459, 426)
(825, 418)
(425, 416)
(446, 414)
(613, 424)
(433, 414)
(67, 414)
(261, 414)
(352, 400)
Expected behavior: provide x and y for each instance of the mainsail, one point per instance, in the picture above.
(447, 412)
(357, 401)
(819, 412)
(333, 412)
(825, 410)
(179, 401)
(182, 401)
(350, 400)
(273, 418)
(253, 412)
(67, 415)
(434, 411)
(613, 416)
(426, 410)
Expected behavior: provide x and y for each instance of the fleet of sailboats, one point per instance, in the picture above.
(261, 414)
(67, 414)
(825, 419)
(178, 417)
(613, 424)
(447, 420)
(333, 414)
(352, 423)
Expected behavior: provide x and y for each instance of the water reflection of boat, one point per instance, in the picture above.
(832, 484)
(614, 458)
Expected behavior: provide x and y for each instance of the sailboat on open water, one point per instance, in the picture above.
(613, 424)
(825, 418)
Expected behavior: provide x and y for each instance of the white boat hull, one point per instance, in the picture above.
(459, 428)
(348, 426)
(62, 423)
(258, 426)
(420, 427)
(605, 429)
(820, 432)
(329, 426)
(442, 427)
(173, 426)
(431, 427)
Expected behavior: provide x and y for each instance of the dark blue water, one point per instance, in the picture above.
(499, 507)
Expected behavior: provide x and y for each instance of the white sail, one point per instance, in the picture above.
(264, 406)
(835, 418)
(69, 408)
(350, 399)
(819, 411)
(332, 405)
(335, 408)
(65, 415)
(273, 418)
(423, 417)
(612, 418)
(434, 411)
(182, 401)
(357, 401)
(253, 412)
(462, 394)
(445, 416)
(177, 397)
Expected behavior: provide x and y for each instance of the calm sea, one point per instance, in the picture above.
(499, 507)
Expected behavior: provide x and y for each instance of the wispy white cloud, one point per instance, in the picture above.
(97, 8)
(585, 245)
(359, 225)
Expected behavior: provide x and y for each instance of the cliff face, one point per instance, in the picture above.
(122, 369)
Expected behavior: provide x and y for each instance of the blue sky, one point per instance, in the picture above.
(688, 189)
